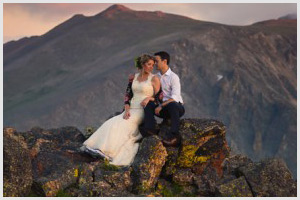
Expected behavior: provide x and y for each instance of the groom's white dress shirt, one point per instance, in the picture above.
(170, 84)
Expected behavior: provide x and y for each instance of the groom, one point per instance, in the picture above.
(172, 103)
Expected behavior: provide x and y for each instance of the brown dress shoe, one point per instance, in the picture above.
(147, 132)
(174, 142)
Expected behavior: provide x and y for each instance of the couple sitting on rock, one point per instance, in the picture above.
(146, 95)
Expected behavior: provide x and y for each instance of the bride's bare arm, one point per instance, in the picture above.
(158, 93)
(156, 84)
(156, 87)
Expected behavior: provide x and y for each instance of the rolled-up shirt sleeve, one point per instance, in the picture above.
(158, 97)
(176, 89)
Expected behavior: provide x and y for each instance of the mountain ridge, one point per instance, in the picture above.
(119, 8)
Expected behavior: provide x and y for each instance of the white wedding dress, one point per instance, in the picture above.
(117, 137)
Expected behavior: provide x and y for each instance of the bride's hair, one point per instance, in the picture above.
(142, 59)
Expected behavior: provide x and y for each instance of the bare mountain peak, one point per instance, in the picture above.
(160, 13)
(118, 7)
(114, 9)
(76, 16)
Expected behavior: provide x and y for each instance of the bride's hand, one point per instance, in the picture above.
(126, 115)
(145, 102)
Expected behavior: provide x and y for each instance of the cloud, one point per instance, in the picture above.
(27, 19)
(20, 20)
(227, 13)
(245, 14)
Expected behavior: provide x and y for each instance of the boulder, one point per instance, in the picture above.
(51, 176)
(87, 184)
(203, 144)
(183, 177)
(119, 179)
(203, 141)
(55, 156)
(269, 178)
(105, 180)
(200, 166)
(233, 162)
(166, 188)
(17, 167)
(148, 164)
(235, 188)
(95, 189)
(207, 182)
(170, 166)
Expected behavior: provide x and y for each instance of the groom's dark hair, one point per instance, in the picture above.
(163, 55)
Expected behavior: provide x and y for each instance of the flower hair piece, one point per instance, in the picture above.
(137, 62)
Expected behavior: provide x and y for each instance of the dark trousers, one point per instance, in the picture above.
(172, 110)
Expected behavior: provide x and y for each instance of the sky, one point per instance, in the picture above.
(30, 19)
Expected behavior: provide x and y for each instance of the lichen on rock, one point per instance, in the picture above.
(148, 164)
(17, 167)
(200, 166)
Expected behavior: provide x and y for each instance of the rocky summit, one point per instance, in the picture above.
(49, 163)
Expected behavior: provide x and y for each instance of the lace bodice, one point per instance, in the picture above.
(141, 90)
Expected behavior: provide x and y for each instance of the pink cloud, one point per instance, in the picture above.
(27, 19)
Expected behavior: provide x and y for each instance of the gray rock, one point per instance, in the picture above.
(119, 180)
(171, 161)
(233, 162)
(56, 159)
(60, 169)
(170, 189)
(92, 189)
(17, 167)
(235, 188)
(183, 177)
(148, 164)
(203, 143)
(207, 182)
(49, 185)
(98, 179)
(269, 178)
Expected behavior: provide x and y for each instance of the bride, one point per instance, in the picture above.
(117, 138)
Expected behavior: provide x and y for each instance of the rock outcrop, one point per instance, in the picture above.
(49, 163)
(17, 167)
(148, 164)
(269, 178)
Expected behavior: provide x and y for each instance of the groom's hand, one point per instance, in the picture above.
(126, 115)
(157, 110)
(145, 102)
